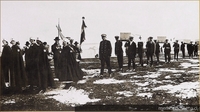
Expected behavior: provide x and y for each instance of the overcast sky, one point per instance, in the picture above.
(24, 19)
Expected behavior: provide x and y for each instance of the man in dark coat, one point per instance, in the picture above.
(150, 46)
(190, 49)
(183, 49)
(167, 50)
(32, 65)
(176, 50)
(56, 49)
(6, 59)
(105, 50)
(119, 52)
(196, 49)
(18, 69)
(140, 50)
(131, 53)
(77, 50)
(157, 52)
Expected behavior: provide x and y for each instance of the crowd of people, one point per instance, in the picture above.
(149, 49)
(33, 72)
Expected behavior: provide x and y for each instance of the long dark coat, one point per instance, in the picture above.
(18, 70)
(118, 47)
(157, 48)
(46, 75)
(71, 70)
(150, 48)
(167, 47)
(131, 52)
(105, 49)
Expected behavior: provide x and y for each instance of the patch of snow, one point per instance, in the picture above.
(185, 89)
(170, 70)
(81, 81)
(71, 96)
(177, 75)
(193, 71)
(125, 93)
(193, 60)
(142, 84)
(167, 77)
(91, 71)
(145, 94)
(127, 73)
(56, 79)
(136, 76)
(152, 75)
(108, 81)
(187, 65)
(9, 101)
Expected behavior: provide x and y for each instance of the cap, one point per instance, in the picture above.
(103, 35)
(57, 38)
(116, 37)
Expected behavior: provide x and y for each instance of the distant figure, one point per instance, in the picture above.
(56, 49)
(150, 46)
(105, 50)
(176, 50)
(119, 52)
(196, 49)
(190, 49)
(157, 52)
(96, 56)
(140, 50)
(183, 49)
(77, 50)
(167, 50)
(131, 51)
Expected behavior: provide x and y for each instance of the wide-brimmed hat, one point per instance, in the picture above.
(57, 38)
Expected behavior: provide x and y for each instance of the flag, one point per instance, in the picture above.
(82, 31)
(60, 33)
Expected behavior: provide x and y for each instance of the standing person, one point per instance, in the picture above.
(183, 49)
(32, 65)
(18, 70)
(119, 52)
(56, 50)
(77, 50)
(140, 50)
(105, 50)
(6, 65)
(190, 49)
(196, 49)
(150, 46)
(70, 70)
(176, 50)
(131, 53)
(167, 50)
(157, 52)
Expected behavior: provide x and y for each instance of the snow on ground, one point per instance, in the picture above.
(193, 60)
(152, 75)
(193, 71)
(125, 93)
(70, 96)
(167, 77)
(127, 73)
(185, 89)
(187, 65)
(145, 94)
(170, 70)
(142, 84)
(82, 81)
(108, 81)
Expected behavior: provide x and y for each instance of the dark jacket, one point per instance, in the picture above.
(182, 47)
(105, 49)
(56, 49)
(176, 46)
(118, 47)
(167, 47)
(131, 51)
(150, 48)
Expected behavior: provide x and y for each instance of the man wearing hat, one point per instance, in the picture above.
(190, 49)
(119, 52)
(131, 52)
(176, 50)
(167, 50)
(150, 46)
(105, 50)
(56, 50)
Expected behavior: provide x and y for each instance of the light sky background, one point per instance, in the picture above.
(21, 20)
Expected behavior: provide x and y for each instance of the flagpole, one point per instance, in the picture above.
(58, 25)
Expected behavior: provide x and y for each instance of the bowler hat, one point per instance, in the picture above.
(116, 37)
(103, 35)
(27, 43)
(57, 38)
(76, 43)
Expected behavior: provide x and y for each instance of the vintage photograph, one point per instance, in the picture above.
(99, 56)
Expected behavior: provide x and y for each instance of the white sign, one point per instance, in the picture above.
(124, 35)
(161, 38)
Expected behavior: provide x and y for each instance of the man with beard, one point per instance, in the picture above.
(56, 49)
(105, 50)
(131, 51)
(119, 52)
(6, 58)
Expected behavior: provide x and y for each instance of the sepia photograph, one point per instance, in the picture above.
(99, 56)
